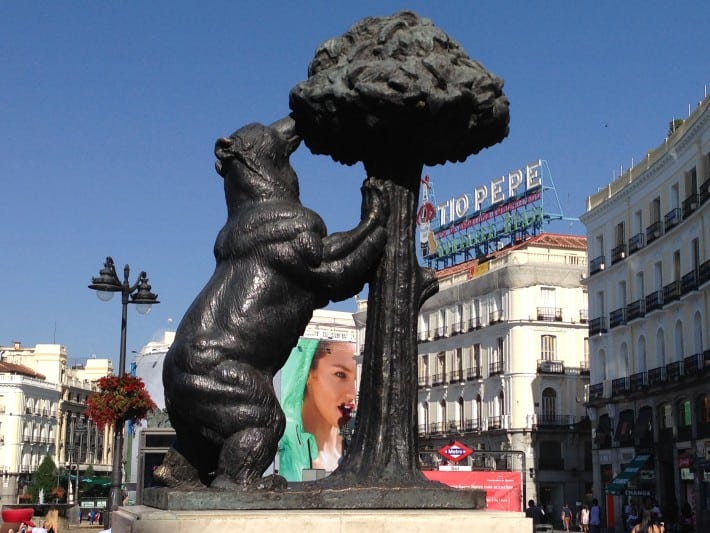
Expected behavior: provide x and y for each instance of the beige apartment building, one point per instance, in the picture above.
(502, 366)
(42, 403)
(648, 237)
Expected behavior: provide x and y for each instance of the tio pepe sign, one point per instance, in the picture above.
(455, 451)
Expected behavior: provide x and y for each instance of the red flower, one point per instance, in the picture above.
(120, 398)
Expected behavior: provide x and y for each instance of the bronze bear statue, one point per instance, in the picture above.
(275, 264)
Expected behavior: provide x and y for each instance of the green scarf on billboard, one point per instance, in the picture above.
(297, 448)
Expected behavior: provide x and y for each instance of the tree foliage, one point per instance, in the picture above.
(401, 85)
(45, 477)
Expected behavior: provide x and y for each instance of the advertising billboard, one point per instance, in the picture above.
(318, 399)
(503, 489)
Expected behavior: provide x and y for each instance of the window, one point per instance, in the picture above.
(549, 406)
(702, 414)
(499, 350)
(478, 414)
(665, 416)
(477, 356)
(620, 235)
(548, 347)
(655, 210)
(684, 413)
(550, 456)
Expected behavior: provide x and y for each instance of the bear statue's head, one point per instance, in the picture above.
(254, 162)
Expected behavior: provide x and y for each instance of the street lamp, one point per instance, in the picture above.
(139, 294)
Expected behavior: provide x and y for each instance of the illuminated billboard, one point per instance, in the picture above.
(506, 210)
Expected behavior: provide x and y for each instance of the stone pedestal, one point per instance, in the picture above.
(142, 519)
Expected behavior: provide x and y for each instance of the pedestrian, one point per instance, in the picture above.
(566, 516)
(534, 512)
(91, 518)
(584, 519)
(595, 517)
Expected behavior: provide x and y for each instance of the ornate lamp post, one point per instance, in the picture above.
(139, 294)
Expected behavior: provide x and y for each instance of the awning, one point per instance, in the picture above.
(618, 485)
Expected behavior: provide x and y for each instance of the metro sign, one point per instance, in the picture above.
(455, 451)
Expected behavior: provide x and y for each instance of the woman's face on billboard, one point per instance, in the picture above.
(331, 384)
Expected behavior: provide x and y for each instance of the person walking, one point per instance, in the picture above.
(566, 516)
(584, 519)
(534, 512)
(595, 517)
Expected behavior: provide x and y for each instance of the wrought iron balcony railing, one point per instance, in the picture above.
(549, 314)
(636, 242)
(690, 204)
(672, 219)
(636, 310)
(618, 253)
(654, 231)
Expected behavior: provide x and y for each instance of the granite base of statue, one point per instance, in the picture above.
(395, 93)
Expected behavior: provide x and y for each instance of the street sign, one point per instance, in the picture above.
(455, 451)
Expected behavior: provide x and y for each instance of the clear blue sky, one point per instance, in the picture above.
(109, 112)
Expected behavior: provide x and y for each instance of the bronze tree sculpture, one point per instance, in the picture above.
(395, 93)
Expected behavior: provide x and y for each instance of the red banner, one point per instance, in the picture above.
(502, 488)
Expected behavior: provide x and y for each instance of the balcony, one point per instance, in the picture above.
(472, 424)
(596, 391)
(456, 376)
(694, 365)
(495, 368)
(437, 427)
(672, 219)
(456, 328)
(654, 301)
(657, 376)
(549, 314)
(636, 243)
(423, 382)
(440, 332)
(423, 336)
(583, 316)
(617, 317)
(689, 282)
(618, 253)
(635, 310)
(596, 265)
(638, 381)
(704, 272)
(620, 386)
(495, 422)
(654, 231)
(674, 371)
(555, 421)
(671, 292)
(690, 204)
(704, 192)
(474, 323)
(495, 316)
(438, 379)
(550, 366)
(473, 373)
(597, 325)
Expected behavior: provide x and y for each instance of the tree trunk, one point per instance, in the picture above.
(384, 447)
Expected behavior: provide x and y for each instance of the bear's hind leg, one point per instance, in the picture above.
(244, 458)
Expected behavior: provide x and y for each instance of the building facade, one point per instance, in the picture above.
(648, 237)
(42, 404)
(502, 366)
